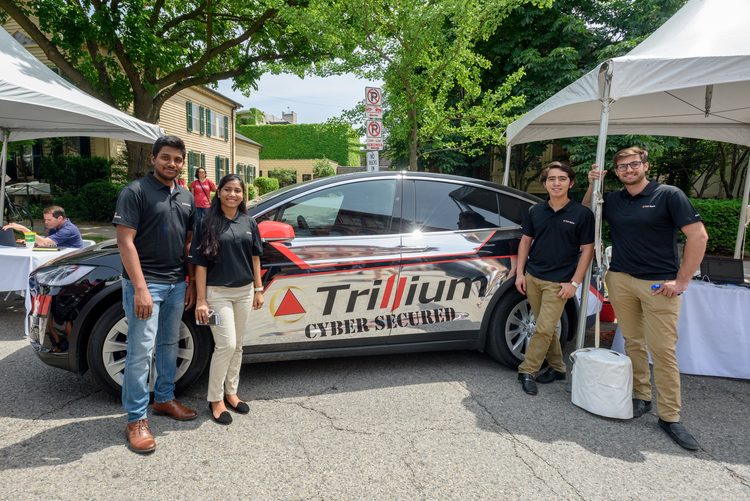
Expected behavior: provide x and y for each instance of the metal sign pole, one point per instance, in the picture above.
(596, 199)
(506, 174)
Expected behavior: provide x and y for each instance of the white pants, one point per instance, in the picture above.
(234, 306)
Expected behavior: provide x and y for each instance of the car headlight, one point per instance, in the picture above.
(62, 275)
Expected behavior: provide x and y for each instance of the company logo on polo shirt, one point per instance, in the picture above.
(649, 207)
(569, 222)
(117, 217)
(185, 204)
(289, 309)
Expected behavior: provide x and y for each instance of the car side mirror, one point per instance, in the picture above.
(274, 231)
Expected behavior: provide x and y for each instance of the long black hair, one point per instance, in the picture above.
(213, 222)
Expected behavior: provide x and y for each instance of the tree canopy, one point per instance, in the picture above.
(136, 54)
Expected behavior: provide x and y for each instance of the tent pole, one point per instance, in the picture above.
(3, 168)
(743, 216)
(601, 148)
(506, 174)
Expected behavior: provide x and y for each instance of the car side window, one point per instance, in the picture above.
(444, 206)
(359, 208)
(512, 210)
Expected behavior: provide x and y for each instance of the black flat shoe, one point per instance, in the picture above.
(527, 383)
(640, 407)
(242, 407)
(224, 417)
(550, 376)
(680, 435)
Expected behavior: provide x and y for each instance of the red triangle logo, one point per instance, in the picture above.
(289, 305)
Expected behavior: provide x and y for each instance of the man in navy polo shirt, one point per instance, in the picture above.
(155, 219)
(644, 280)
(61, 232)
(554, 232)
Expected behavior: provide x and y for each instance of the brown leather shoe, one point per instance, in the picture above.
(139, 438)
(175, 410)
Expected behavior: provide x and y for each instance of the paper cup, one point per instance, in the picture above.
(30, 237)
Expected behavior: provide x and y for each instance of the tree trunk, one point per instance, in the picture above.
(139, 159)
(412, 115)
(139, 154)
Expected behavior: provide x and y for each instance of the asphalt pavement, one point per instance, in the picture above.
(451, 425)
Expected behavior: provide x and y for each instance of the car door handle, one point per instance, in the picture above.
(418, 248)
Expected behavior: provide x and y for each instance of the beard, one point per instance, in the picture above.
(634, 180)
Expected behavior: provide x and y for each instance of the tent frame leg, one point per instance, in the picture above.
(601, 149)
(3, 168)
(743, 217)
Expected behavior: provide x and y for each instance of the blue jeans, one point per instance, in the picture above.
(160, 333)
(201, 211)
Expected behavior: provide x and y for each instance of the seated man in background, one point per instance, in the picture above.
(60, 231)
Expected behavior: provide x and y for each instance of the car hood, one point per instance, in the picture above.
(102, 254)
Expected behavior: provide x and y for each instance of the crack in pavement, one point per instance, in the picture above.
(56, 409)
(413, 475)
(515, 441)
(736, 476)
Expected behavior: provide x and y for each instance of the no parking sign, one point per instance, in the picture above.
(373, 102)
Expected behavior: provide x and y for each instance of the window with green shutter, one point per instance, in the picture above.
(208, 122)
(203, 160)
(226, 166)
(226, 128)
(203, 119)
(218, 169)
(189, 116)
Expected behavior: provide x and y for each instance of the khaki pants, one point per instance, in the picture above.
(649, 321)
(234, 306)
(548, 309)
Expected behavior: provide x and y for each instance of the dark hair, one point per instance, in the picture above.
(198, 170)
(563, 166)
(55, 210)
(213, 224)
(173, 141)
(633, 150)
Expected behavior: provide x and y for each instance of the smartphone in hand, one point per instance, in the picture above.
(212, 319)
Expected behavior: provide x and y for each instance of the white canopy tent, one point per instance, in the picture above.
(37, 103)
(690, 78)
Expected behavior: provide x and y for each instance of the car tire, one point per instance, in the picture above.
(510, 328)
(108, 345)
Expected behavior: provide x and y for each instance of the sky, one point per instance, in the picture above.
(314, 99)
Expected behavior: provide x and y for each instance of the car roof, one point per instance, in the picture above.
(320, 182)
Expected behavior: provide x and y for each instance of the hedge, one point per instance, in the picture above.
(721, 218)
(265, 185)
(94, 202)
(301, 141)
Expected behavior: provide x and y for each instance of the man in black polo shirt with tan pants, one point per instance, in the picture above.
(644, 280)
(155, 219)
(554, 232)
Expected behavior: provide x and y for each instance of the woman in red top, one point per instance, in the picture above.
(201, 190)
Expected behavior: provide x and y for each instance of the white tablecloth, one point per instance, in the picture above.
(17, 263)
(714, 331)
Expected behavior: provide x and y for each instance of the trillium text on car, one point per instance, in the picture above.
(358, 264)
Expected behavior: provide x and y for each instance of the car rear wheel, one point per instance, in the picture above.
(108, 346)
(511, 326)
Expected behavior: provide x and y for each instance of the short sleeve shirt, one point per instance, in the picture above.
(644, 230)
(66, 236)
(162, 221)
(239, 242)
(202, 193)
(557, 239)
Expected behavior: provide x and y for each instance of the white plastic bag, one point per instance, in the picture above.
(603, 382)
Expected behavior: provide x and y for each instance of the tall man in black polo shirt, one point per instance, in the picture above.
(644, 280)
(553, 234)
(155, 219)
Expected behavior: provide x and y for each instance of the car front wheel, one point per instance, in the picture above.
(511, 327)
(108, 346)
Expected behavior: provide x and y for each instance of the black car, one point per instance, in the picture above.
(359, 264)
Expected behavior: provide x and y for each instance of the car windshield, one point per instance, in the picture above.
(273, 194)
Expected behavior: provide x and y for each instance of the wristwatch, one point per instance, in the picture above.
(575, 284)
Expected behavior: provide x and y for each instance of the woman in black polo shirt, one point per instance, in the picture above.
(226, 250)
